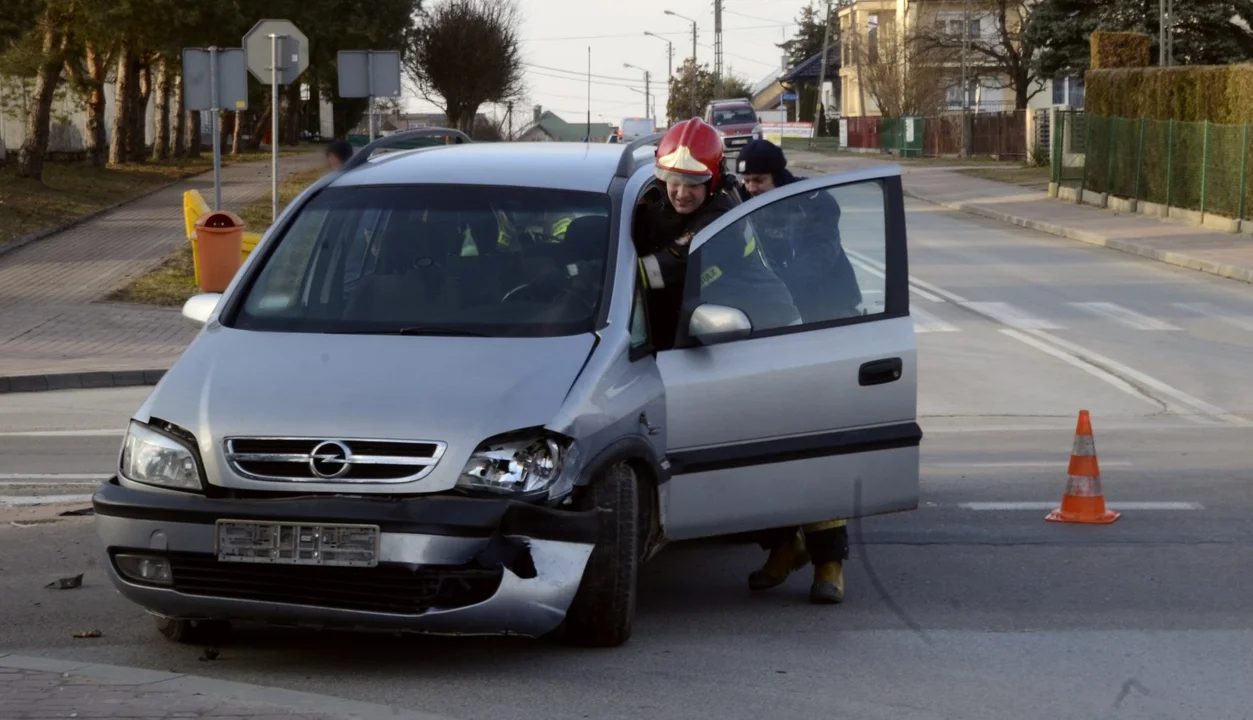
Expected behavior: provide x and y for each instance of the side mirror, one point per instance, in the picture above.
(199, 308)
(712, 324)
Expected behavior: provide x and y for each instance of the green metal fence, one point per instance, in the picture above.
(1190, 165)
(902, 136)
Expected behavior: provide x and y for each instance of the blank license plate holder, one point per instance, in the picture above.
(296, 543)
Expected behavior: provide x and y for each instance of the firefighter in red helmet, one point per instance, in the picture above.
(688, 195)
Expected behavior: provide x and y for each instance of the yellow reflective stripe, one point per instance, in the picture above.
(708, 277)
(559, 227)
(750, 246)
(826, 525)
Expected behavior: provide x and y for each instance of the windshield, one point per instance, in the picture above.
(436, 259)
(735, 116)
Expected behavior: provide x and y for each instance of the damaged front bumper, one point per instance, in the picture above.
(446, 565)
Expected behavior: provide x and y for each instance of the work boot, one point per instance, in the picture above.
(782, 561)
(828, 587)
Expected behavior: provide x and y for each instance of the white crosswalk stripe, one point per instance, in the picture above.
(1212, 311)
(926, 322)
(1011, 316)
(1124, 316)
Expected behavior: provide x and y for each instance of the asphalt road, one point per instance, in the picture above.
(971, 607)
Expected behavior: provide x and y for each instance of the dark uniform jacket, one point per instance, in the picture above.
(803, 246)
(732, 273)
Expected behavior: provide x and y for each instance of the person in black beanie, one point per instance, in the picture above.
(801, 239)
(337, 153)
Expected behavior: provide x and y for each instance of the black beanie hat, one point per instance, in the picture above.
(760, 157)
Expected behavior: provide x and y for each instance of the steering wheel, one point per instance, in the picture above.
(526, 291)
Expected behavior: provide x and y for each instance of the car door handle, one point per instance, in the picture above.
(878, 372)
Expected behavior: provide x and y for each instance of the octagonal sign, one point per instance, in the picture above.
(293, 51)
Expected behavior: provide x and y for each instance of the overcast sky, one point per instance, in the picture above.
(556, 35)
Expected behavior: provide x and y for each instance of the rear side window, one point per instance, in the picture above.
(436, 259)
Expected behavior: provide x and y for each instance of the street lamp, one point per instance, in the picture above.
(647, 91)
(692, 90)
(669, 70)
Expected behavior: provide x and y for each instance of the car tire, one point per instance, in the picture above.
(195, 632)
(603, 610)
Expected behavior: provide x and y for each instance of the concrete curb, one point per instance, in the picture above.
(87, 380)
(1231, 272)
(197, 685)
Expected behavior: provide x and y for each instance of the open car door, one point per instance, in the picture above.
(791, 394)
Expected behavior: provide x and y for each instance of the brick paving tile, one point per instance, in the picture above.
(50, 317)
(34, 695)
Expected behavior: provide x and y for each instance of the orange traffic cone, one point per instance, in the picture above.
(1084, 502)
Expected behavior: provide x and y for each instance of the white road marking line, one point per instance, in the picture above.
(1060, 464)
(1087, 367)
(1146, 380)
(113, 432)
(1007, 314)
(1130, 505)
(925, 322)
(1124, 316)
(32, 500)
(866, 267)
(1068, 427)
(1209, 310)
(53, 477)
(925, 289)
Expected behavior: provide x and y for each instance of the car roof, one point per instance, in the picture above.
(554, 165)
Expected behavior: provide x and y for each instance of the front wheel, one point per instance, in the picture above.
(603, 610)
(195, 632)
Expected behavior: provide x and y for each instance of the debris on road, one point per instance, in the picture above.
(66, 583)
(88, 634)
(79, 511)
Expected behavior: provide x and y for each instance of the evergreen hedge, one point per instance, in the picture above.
(1217, 93)
(1120, 50)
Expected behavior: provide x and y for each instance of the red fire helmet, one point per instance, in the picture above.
(690, 153)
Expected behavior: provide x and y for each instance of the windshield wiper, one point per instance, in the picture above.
(419, 330)
(436, 330)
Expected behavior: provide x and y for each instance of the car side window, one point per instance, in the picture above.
(823, 250)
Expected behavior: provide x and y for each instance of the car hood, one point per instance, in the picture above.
(455, 390)
(740, 129)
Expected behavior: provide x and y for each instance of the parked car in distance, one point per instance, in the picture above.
(734, 120)
(633, 128)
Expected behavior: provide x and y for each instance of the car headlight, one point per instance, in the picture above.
(154, 458)
(516, 465)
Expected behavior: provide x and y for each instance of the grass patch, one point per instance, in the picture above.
(174, 280)
(1036, 178)
(73, 189)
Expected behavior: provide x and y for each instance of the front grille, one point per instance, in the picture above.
(387, 588)
(334, 461)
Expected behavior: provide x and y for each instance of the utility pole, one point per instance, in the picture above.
(647, 89)
(589, 93)
(719, 87)
(669, 68)
(1166, 38)
(692, 70)
(965, 82)
(509, 116)
(822, 72)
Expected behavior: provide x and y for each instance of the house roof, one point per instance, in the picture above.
(562, 131)
(809, 70)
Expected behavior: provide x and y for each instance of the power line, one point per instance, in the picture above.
(741, 57)
(635, 35)
(754, 17)
(581, 75)
(583, 80)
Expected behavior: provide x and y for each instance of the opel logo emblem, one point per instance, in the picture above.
(330, 460)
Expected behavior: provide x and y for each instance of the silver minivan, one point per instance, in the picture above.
(430, 401)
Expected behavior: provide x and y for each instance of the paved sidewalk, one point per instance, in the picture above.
(37, 688)
(1228, 255)
(50, 319)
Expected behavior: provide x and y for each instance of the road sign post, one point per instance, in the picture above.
(369, 73)
(215, 79)
(277, 54)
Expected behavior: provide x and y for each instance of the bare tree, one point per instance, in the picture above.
(999, 53)
(904, 77)
(465, 53)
